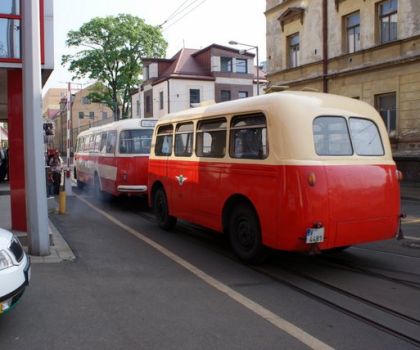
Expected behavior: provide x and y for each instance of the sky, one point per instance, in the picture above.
(209, 22)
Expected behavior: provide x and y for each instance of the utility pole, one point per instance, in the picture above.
(35, 189)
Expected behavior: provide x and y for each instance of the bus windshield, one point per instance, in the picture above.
(135, 141)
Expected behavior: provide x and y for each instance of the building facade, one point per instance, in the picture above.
(83, 113)
(215, 73)
(365, 49)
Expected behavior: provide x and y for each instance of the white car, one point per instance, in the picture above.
(15, 270)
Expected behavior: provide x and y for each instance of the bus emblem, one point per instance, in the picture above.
(181, 179)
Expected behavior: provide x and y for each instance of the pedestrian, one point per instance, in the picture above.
(6, 177)
(56, 168)
(3, 164)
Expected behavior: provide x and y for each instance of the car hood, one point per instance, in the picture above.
(5, 238)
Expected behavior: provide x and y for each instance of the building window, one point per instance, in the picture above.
(293, 49)
(387, 12)
(146, 73)
(161, 100)
(386, 104)
(226, 64)
(194, 96)
(104, 115)
(92, 115)
(10, 24)
(148, 104)
(81, 115)
(225, 95)
(241, 65)
(85, 100)
(242, 94)
(352, 25)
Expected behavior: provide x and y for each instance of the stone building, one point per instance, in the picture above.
(365, 49)
(84, 114)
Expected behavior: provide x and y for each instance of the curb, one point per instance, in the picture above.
(59, 249)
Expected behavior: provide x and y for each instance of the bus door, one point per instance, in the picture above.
(363, 196)
(211, 149)
(182, 171)
(107, 161)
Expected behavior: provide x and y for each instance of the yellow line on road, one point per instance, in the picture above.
(261, 311)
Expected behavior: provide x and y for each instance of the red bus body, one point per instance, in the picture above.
(116, 171)
(355, 199)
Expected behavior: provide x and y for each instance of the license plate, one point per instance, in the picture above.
(315, 235)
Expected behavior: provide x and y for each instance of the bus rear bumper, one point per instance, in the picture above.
(130, 188)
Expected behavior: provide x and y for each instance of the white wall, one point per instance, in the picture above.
(180, 92)
(134, 99)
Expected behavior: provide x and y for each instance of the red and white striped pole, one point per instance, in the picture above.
(67, 173)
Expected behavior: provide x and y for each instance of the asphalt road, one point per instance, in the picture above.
(134, 286)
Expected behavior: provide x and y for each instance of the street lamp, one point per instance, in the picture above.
(233, 42)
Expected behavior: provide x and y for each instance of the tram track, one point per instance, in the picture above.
(383, 318)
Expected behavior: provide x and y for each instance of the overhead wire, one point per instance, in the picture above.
(173, 13)
(181, 12)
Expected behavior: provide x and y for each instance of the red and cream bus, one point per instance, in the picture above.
(113, 158)
(296, 171)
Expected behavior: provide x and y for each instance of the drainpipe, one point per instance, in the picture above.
(169, 106)
(325, 45)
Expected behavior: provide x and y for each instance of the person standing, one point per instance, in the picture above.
(3, 163)
(56, 168)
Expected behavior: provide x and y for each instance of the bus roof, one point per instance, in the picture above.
(132, 123)
(298, 101)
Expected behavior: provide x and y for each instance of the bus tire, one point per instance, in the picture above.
(245, 234)
(161, 210)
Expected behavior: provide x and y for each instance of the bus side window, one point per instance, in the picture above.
(111, 141)
(97, 143)
(248, 137)
(211, 138)
(163, 146)
(184, 139)
(102, 146)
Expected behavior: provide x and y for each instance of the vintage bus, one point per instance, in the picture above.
(295, 171)
(113, 158)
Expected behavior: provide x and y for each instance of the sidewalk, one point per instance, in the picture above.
(59, 249)
(410, 191)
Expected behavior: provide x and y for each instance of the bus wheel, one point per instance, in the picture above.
(245, 235)
(160, 206)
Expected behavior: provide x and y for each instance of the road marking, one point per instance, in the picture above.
(410, 221)
(261, 311)
(412, 238)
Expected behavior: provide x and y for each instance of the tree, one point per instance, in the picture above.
(109, 51)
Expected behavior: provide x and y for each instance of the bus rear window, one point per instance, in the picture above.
(163, 146)
(248, 137)
(365, 137)
(331, 136)
(135, 141)
(211, 138)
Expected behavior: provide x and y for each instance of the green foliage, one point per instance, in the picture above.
(109, 51)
